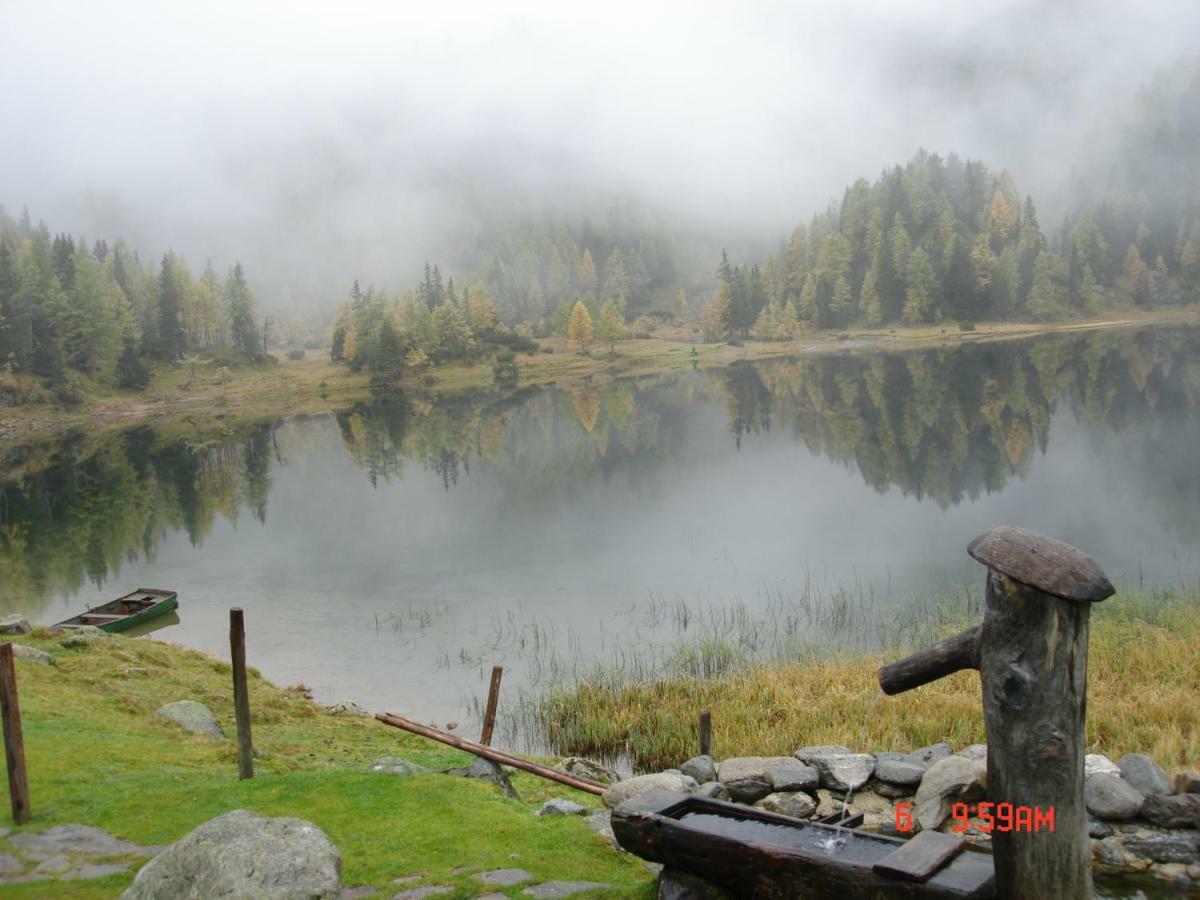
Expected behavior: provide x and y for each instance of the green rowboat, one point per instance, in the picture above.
(125, 612)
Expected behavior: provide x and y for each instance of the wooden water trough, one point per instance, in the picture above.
(754, 853)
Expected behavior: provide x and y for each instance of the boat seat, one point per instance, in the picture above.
(100, 617)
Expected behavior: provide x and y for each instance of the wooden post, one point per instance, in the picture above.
(705, 733)
(489, 715)
(14, 744)
(241, 693)
(1031, 652)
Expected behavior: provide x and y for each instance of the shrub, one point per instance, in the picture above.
(296, 353)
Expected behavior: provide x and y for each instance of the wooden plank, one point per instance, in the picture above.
(920, 857)
(14, 743)
(935, 661)
(489, 715)
(241, 693)
(453, 740)
(1050, 566)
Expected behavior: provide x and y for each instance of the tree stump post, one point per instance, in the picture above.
(489, 713)
(241, 693)
(1031, 653)
(705, 733)
(14, 743)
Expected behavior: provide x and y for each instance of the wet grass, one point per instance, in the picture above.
(98, 755)
(771, 691)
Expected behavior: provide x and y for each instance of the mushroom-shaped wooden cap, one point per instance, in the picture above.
(1050, 566)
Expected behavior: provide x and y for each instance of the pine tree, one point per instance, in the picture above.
(579, 329)
(611, 325)
(561, 320)
(389, 359)
(920, 304)
(132, 373)
(1047, 296)
(586, 277)
(171, 338)
(616, 281)
(1136, 284)
(454, 334)
(239, 311)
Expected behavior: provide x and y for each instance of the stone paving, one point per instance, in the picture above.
(65, 853)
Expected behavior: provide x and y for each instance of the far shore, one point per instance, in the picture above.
(195, 393)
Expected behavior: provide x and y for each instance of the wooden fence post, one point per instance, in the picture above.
(241, 693)
(705, 733)
(14, 745)
(489, 715)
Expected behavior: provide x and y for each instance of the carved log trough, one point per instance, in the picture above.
(1031, 653)
(754, 853)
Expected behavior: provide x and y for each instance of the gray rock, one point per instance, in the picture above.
(806, 754)
(927, 756)
(714, 790)
(1098, 829)
(504, 877)
(33, 654)
(631, 787)
(1110, 797)
(891, 791)
(975, 751)
(601, 822)
(9, 864)
(562, 888)
(348, 708)
(96, 870)
(747, 790)
(1172, 811)
(85, 636)
(353, 893)
(950, 780)
(486, 770)
(889, 755)
(588, 768)
(192, 715)
(420, 893)
(676, 885)
(796, 804)
(394, 765)
(1178, 847)
(702, 768)
(899, 772)
(241, 854)
(1187, 782)
(1144, 774)
(83, 839)
(1098, 763)
(844, 772)
(739, 768)
(15, 623)
(492, 895)
(58, 863)
(792, 775)
(560, 807)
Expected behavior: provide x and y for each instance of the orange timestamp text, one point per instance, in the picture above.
(989, 817)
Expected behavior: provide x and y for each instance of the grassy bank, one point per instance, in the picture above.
(203, 394)
(97, 755)
(1144, 665)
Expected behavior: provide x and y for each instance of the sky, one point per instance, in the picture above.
(319, 143)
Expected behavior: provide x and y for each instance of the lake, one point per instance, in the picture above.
(393, 552)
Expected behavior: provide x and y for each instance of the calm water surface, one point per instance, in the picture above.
(393, 552)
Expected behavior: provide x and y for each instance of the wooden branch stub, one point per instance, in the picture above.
(1051, 566)
(935, 661)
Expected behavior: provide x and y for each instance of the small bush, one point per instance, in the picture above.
(296, 353)
(966, 325)
(547, 349)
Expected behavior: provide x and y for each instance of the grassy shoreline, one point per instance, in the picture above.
(197, 392)
(98, 755)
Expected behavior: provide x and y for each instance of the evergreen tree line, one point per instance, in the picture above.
(943, 239)
(95, 309)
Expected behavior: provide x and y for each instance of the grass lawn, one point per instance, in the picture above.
(97, 755)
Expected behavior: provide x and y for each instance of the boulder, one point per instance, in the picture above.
(191, 715)
(15, 623)
(588, 768)
(1177, 847)
(899, 772)
(889, 755)
(33, 654)
(1098, 829)
(713, 790)
(796, 804)
(792, 775)
(394, 765)
(631, 787)
(1144, 774)
(1110, 797)
(927, 756)
(891, 791)
(241, 854)
(702, 768)
(560, 807)
(1173, 810)
(844, 771)
(85, 636)
(737, 768)
(950, 780)
(674, 884)
(1187, 782)
(747, 790)
(806, 754)
(348, 708)
(487, 770)
(975, 751)
(553, 889)
(1098, 763)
